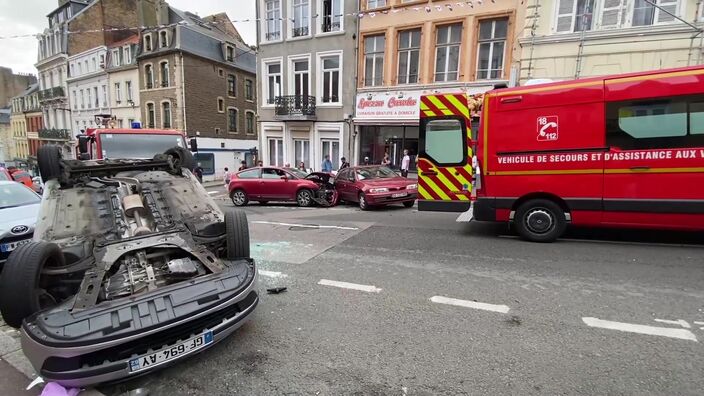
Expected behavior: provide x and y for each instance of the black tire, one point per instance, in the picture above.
(363, 204)
(409, 204)
(239, 197)
(237, 230)
(540, 220)
(181, 158)
(20, 281)
(49, 158)
(304, 198)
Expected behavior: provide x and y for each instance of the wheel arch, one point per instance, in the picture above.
(540, 195)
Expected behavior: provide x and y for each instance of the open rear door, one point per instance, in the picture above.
(445, 153)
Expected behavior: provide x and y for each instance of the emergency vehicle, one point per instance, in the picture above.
(615, 151)
(127, 143)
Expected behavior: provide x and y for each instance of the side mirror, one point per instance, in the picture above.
(194, 145)
(83, 144)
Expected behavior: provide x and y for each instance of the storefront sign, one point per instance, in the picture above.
(379, 106)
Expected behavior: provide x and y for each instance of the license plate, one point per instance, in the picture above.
(8, 247)
(145, 362)
(398, 195)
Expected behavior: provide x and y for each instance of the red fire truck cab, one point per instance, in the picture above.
(128, 143)
(615, 151)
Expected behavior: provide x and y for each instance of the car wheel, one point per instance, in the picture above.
(540, 220)
(22, 289)
(181, 158)
(409, 204)
(304, 198)
(239, 197)
(237, 230)
(49, 158)
(363, 204)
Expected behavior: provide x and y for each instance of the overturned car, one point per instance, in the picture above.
(132, 267)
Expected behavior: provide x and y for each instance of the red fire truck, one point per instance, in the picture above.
(621, 151)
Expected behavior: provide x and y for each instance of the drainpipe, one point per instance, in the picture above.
(353, 128)
(183, 93)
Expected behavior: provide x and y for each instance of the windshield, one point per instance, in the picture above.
(375, 172)
(15, 194)
(297, 172)
(137, 146)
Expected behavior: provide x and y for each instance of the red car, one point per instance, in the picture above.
(272, 184)
(375, 186)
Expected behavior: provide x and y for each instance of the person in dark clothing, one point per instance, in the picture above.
(198, 172)
(344, 164)
(243, 166)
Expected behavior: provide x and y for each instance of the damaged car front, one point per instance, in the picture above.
(132, 267)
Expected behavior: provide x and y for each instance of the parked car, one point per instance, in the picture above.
(37, 185)
(25, 178)
(264, 184)
(19, 207)
(375, 185)
(132, 267)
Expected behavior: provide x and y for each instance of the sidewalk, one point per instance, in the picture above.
(12, 382)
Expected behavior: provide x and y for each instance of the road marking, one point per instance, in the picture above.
(641, 329)
(272, 274)
(678, 322)
(612, 242)
(353, 286)
(470, 304)
(305, 225)
(213, 192)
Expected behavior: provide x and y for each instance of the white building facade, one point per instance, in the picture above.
(88, 88)
(123, 83)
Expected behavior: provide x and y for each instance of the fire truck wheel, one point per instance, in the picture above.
(540, 220)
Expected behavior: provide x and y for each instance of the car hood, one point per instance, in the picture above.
(19, 216)
(391, 182)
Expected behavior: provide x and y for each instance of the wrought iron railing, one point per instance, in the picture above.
(55, 134)
(51, 93)
(301, 31)
(273, 36)
(295, 105)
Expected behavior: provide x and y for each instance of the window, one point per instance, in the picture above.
(576, 15)
(90, 98)
(332, 16)
(408, 56)
(249, 123)
(332, 83)
(149, 76)
(164, 70)
(148, 42)
(126, 55)
(120, 123)
(85, 66)
(80, 71)
(249, 89)
(128, 88)
(611, 13)
(661, 123)
(249, 174)
(83, 102)
(97, 98)
(221, 73)
(232, 120)
(130, 121)
(374, 60)
(645, 14)
(95, 64)
(447, 52)
(230, 54)
(231, 85)
(273, 82)
(301, 81)
(375, 3)
(166, 115)
(206, 161)
(300, 18)
(73, 70)
(301, 152)
(331, 147)
(116, 58)
(75, 100)
(276, 151)
(492, 43)
(105, 96)
(150, 115)
(444, 141)
(273, 20)
(221, 105)
(118, 93)
(163, 39)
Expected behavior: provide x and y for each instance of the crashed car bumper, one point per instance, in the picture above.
(77, 363)
(388, 198)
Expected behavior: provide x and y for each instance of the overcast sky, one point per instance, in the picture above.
(29, 17)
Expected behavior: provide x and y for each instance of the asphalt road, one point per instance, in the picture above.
(600, 312)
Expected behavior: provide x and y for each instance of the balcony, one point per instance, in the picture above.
(51, 94)
(295, 107)
(54, 134)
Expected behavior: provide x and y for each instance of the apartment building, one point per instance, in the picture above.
(123, 82)
(88, 88)
(6, 142)
(12, 84)
(196, 75)
(306, 88)
(411, 48)
(567, 39)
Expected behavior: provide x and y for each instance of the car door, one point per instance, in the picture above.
(342, 184)
(271, 186)
(248, 180)
(289, 185)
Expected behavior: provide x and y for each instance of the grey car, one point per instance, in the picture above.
(132, 267)
(19, 207)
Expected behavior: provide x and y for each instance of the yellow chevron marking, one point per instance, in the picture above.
(437, 103)
(463, 109)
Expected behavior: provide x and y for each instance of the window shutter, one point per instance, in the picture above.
(611, 14)
(565, 16)
(670, 6)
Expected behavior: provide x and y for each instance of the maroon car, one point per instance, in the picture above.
(375, 186)
(278, 184)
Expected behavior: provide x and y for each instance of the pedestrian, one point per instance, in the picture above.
(344, 164)
(302, 166)
(386, 161)
(226, 177)
(327, 164)
(287, 165)
(260, 164)
(198, 172)
(366, 161)
(405, 163)
(243, 166)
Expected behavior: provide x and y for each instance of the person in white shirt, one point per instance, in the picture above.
(405, 163)
(226, 177)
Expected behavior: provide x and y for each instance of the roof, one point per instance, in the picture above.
(134, 39)
(30, 90)
(5, 116)
(61, 7)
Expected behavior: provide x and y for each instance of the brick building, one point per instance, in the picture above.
(13, 84)
(196, 75)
